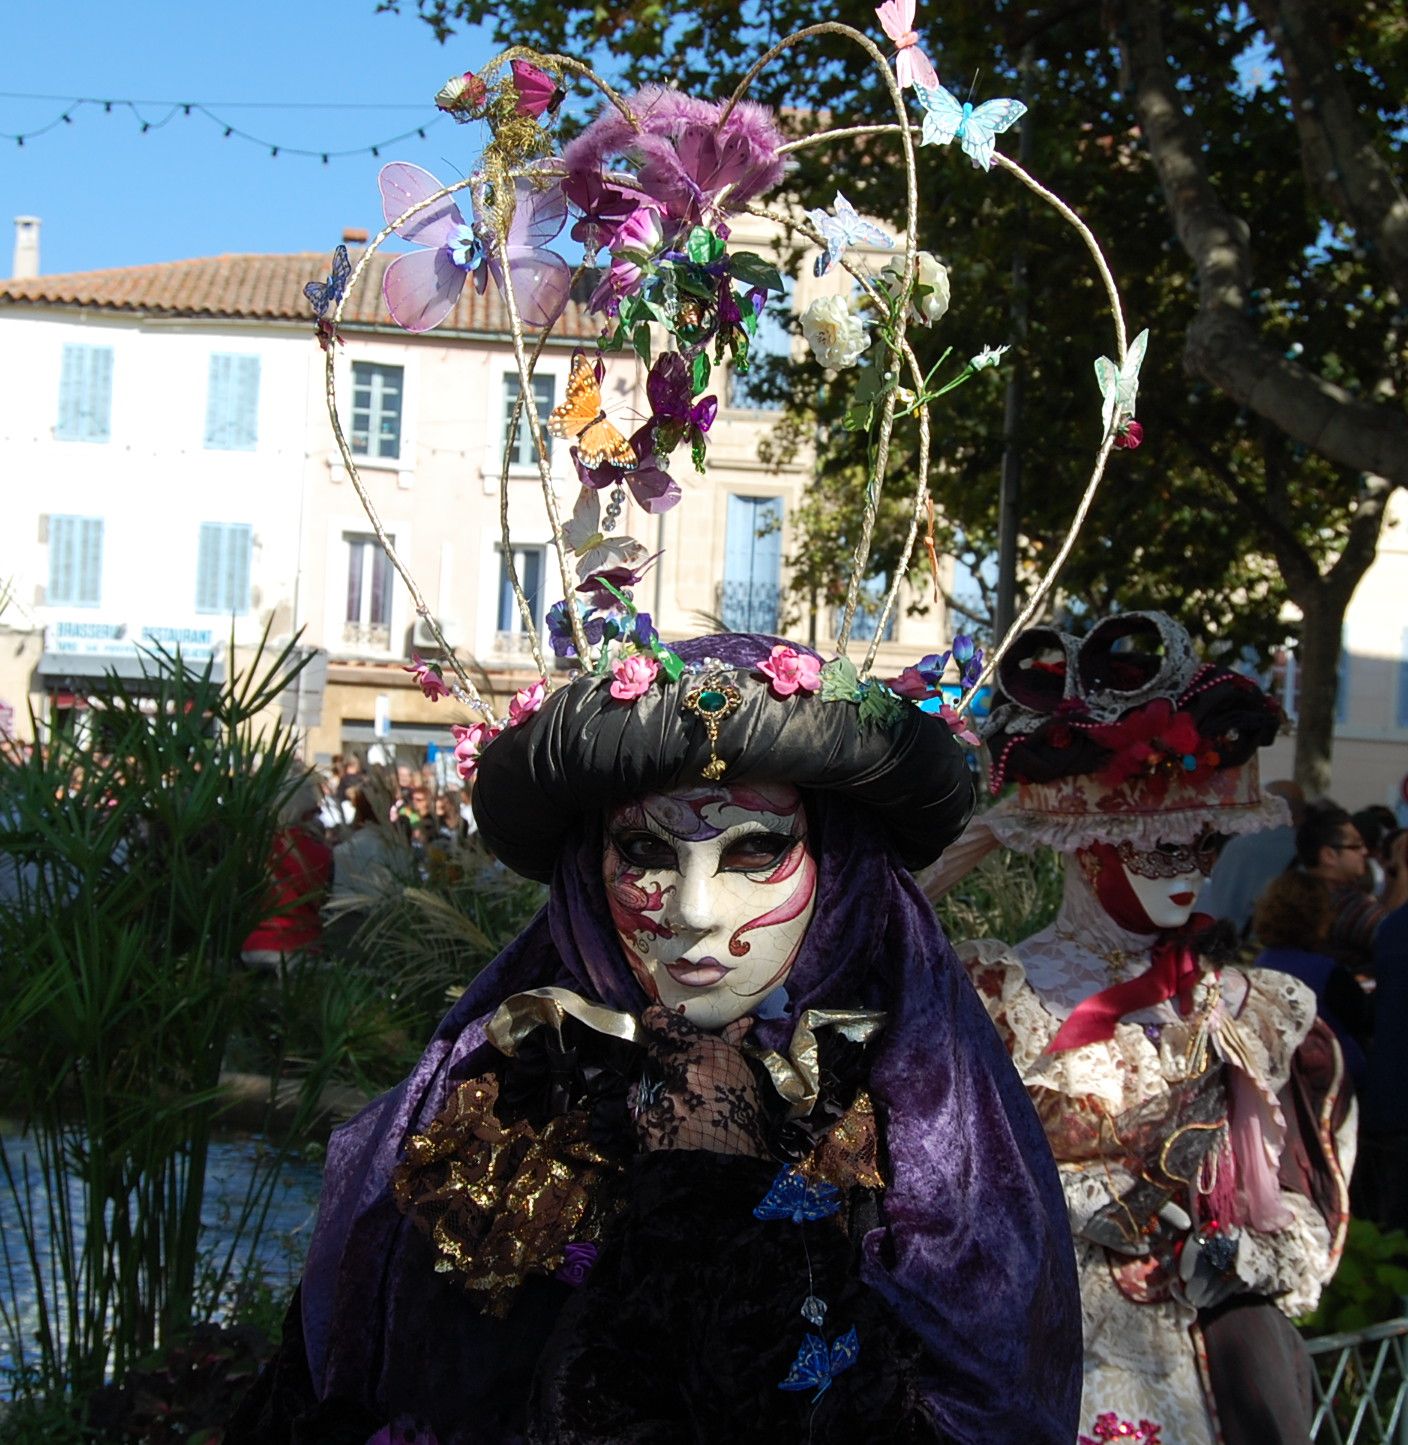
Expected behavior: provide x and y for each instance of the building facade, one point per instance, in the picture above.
(173, 481)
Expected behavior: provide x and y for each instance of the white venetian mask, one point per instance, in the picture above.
(711, 890)
(1166, 880)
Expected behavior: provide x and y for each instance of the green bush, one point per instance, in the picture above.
(1370, 1284)
(137, 860)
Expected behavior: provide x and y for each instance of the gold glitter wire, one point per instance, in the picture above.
(466, 685)
(511, 152)
(1112, 294)
(876, 479)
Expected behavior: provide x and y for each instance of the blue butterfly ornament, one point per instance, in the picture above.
(325, 294)
(976, 128)
(845, 229)
(791, 1196)
(816, 1365)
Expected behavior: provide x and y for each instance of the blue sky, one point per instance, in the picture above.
(110, 195)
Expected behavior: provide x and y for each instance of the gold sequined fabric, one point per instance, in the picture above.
(501, 1201)
(848, 1154)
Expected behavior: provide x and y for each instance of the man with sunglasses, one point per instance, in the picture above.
(1328, 847)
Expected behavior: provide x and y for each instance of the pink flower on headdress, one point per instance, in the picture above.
(631, 242)
(958, 725)
(428, 678)
(911, 683)
(470, 743)
(526, 701)
(789, 671)
(632, 677)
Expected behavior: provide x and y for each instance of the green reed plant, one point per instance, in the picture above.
(1008, 895)
(133, 864)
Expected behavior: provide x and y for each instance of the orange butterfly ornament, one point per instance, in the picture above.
(582, 420)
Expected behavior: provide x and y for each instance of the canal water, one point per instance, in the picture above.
(279, 1253)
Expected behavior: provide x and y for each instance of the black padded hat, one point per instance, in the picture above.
(584, 751)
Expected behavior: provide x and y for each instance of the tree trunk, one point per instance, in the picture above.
(1317, 668)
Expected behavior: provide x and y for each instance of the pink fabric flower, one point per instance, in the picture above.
(789, 671)
(470, 743)
(911, 683)
(526, 701)
(632, 677)
(427, 678)
(958, 725)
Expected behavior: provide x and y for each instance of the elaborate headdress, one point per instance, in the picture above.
(1124, 736)
(652, 183)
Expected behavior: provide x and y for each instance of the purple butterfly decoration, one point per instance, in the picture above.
(422, 287)
(537, 90)
(323, 295)
(654, 489)
(602, 206)
(674, 414)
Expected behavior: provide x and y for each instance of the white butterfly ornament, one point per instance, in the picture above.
(845, 229)
(594, 551)
(976, 128)
(1119, 385)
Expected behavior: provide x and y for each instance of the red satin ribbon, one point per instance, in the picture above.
(1172, 973)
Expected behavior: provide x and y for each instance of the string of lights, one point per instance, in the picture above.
(152, 115)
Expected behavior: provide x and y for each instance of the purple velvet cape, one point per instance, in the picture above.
(975, 1251)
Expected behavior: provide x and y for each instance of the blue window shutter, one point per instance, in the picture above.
(222, 567)
(85, 393)
(530, 564)
(232, 403)
(752, 564)
(75, 562)
(63, 536)
(1402, 715)
(545, 394)
(90, 562)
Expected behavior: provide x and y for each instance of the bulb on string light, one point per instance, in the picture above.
(273, 151)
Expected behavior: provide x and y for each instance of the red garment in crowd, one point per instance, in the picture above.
(301, 869)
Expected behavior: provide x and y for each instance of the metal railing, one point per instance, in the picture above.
(1361, 1386)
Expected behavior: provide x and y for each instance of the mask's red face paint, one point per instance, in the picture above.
(711, 890)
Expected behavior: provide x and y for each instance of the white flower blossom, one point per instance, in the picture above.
(988, 356)
(933, 274)
(836, 337)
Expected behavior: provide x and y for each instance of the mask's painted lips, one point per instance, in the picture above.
(697, 972)
(1182, 899)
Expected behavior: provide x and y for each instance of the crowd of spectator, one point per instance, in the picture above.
(346, 834)
(1325, 898)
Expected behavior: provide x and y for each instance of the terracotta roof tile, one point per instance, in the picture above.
(262, 288)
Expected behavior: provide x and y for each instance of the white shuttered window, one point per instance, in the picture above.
(85, 394)
(75, 562)
(222, 567)
(232, 403)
